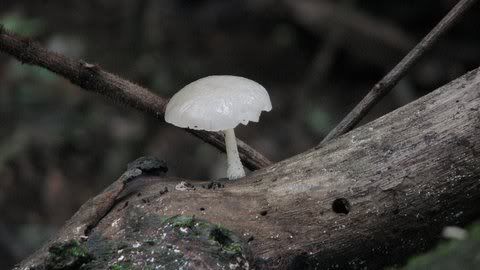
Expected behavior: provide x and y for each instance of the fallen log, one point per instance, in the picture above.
(370, 198)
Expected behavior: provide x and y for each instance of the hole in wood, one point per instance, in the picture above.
(341, 206)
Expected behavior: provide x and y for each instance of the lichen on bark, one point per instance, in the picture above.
(173, 242)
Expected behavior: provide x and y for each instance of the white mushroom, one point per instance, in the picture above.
(219, 103)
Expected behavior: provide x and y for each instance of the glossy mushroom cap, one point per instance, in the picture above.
(217, 103)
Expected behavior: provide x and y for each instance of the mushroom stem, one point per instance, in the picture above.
(235, 167)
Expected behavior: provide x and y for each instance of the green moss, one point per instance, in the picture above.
(169, 245)
(120, 267)
(217, 236)
(181, 221)
(234, 248)
(226, 239)
(68, 255)
(220, 235)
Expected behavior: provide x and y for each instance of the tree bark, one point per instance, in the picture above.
(370, 198)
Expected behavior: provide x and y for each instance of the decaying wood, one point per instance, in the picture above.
(367, 199)
(92, 77)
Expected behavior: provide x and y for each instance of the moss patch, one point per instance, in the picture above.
(180, 221)
(68, 255)
(226, 239)
(149, 241)
(218, 238)
(120, 267)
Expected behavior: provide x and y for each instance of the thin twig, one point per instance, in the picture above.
(93, 78)
(391, 79)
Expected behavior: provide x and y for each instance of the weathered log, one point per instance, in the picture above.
(370, 198)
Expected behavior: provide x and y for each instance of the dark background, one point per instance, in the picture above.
(60, 145)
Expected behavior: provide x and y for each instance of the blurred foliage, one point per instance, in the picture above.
(454, 254)
(319, 120)
(22, 25)
(21, 72)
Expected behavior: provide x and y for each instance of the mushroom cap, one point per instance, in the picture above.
(217, 103)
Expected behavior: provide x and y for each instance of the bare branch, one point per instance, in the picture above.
(391, 79)
(93, 78)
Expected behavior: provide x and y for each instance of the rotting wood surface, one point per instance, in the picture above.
(368, 199)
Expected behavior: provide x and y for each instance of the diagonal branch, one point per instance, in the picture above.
(391, 79)
(92, 78)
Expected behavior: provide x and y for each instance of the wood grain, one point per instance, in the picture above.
(395, 182)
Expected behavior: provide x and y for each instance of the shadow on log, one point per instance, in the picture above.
(370, 198)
